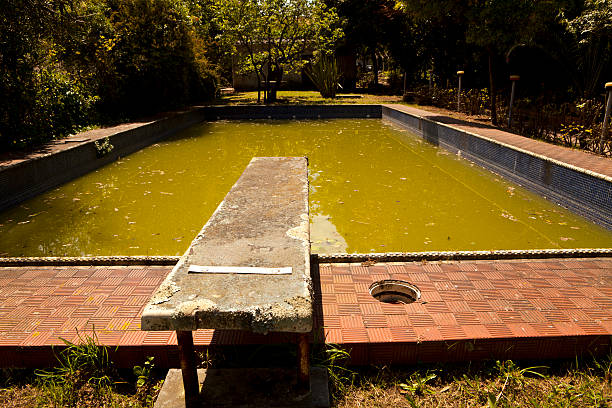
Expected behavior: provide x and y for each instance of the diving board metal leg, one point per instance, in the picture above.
(188, 368)
(303, 363)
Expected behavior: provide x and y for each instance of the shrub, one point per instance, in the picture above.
(65, 65)
(50, 104)
(575, 124)
(323, 73)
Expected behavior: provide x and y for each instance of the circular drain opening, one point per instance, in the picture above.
(394, 291)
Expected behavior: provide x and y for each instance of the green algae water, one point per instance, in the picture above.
(373, 188)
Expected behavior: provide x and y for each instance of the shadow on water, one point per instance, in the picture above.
(200, 129)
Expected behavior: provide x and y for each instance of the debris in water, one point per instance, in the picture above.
(508, 216)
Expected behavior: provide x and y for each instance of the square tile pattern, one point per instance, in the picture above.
(468, 309)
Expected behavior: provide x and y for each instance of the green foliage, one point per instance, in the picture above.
(514, 374)
(103, 147)
(334, 360)
(271, 37)
(85, 365)
(416, 384)
(150, 58)
(473, 101)
(65, 65)
(576, 124)
(590, 46)
(324, 74)
(41, 98)
(143, 373)
(146, 385)
(483, 384)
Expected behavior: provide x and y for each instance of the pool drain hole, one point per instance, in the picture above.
(394, 291)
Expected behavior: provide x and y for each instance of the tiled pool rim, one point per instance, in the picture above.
(324, 258)
(583, 191)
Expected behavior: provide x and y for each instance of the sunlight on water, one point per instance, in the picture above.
(374, 187)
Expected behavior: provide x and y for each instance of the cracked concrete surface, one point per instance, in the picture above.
(263, 221)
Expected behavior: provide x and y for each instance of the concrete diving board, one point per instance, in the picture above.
(247, 269)
(262, 222)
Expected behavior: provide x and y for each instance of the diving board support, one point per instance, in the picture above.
(189, 368)
(247, 269)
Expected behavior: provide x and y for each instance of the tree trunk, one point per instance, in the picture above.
(375, 67)
(266, 87)
(492, 90)
(258, 87)
(276, 74)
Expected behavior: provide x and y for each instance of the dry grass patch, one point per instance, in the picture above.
(579, 383)
(308, 98)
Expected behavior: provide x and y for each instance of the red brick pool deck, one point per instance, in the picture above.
(468, 310)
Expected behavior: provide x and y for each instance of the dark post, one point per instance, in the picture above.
(188, 368)
(604, 128)
(514, 79)
(460, 74)
(303, 362)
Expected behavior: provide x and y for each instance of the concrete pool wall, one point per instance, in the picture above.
(28, 178)
(585, 192)
(44, 171)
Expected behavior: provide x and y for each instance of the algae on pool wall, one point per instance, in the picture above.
(373, 188)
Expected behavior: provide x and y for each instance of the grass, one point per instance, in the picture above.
(577, 383)
(308, 98)
(84, 377)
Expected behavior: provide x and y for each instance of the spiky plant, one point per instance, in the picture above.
(323, 72)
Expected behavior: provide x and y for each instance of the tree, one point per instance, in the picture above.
(495, 26)
(271, 37)
(66, 64)
(366, 23)
(41, 97)
(592, 36)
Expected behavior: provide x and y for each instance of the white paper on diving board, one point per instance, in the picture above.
(240, 269)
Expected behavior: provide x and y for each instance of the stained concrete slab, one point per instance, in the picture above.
(247, 388)
(262, 222)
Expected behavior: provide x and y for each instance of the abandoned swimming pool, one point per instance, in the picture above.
(375, 187)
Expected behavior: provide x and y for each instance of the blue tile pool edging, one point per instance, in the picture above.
(584, 192)
(292, 112)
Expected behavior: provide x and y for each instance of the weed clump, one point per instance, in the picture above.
(493, 384)
(86, 376)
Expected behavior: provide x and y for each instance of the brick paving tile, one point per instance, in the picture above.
(523, 306)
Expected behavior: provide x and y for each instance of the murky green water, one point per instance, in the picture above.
(374, 187)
